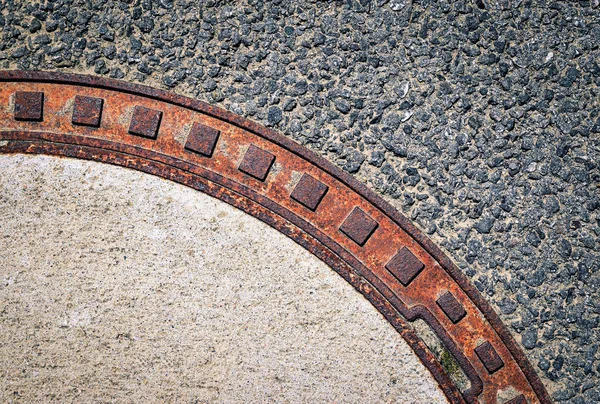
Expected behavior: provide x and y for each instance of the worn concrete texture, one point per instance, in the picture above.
(117, 286)
(480, 120)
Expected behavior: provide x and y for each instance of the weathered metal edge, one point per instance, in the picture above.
(263, 209)
(326, 166)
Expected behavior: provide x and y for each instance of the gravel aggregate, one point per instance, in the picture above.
(480, 120)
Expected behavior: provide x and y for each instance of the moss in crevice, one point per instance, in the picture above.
(449, 364)
(444, 356)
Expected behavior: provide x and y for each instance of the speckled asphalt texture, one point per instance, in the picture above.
(480, 120)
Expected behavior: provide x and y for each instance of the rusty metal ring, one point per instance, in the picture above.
(325, 210)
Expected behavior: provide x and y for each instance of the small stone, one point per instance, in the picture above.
(100, 67)
(488, 59)
(564, 248)
(474, 122)
(500, 45)
(342, 106)
(472, 23)
(529, 338)
(570, 77)
(275, 115)
(523, 99)
(395, 145)
(35, 26)
(289, 104)
(377, 158)
(536, 278)
(533, 239)
(552, 205)
(145, 24)
(514, 168)
(507, 306)
(210, 85)
(353, 161)
(51, 25)
(397, 5)
(562, 150)
(568, 106)
(402, 89)
(558, 362)
(485, 225)
(116, 73)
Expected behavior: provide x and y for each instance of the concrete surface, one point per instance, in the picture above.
(116, 286)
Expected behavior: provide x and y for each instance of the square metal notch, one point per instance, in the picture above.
(29, 106)
(87, 111)
(145, 122)
(359, 226)
(257, 162)
(309, 192)
(489, 357)
(451, 307)
(202, 139)
(405, 266)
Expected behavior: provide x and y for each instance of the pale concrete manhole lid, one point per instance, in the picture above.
(121, 286)
(326, 211)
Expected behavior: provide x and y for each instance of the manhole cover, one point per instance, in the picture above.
(326, 211)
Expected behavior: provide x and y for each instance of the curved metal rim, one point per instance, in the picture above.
(322, 164)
